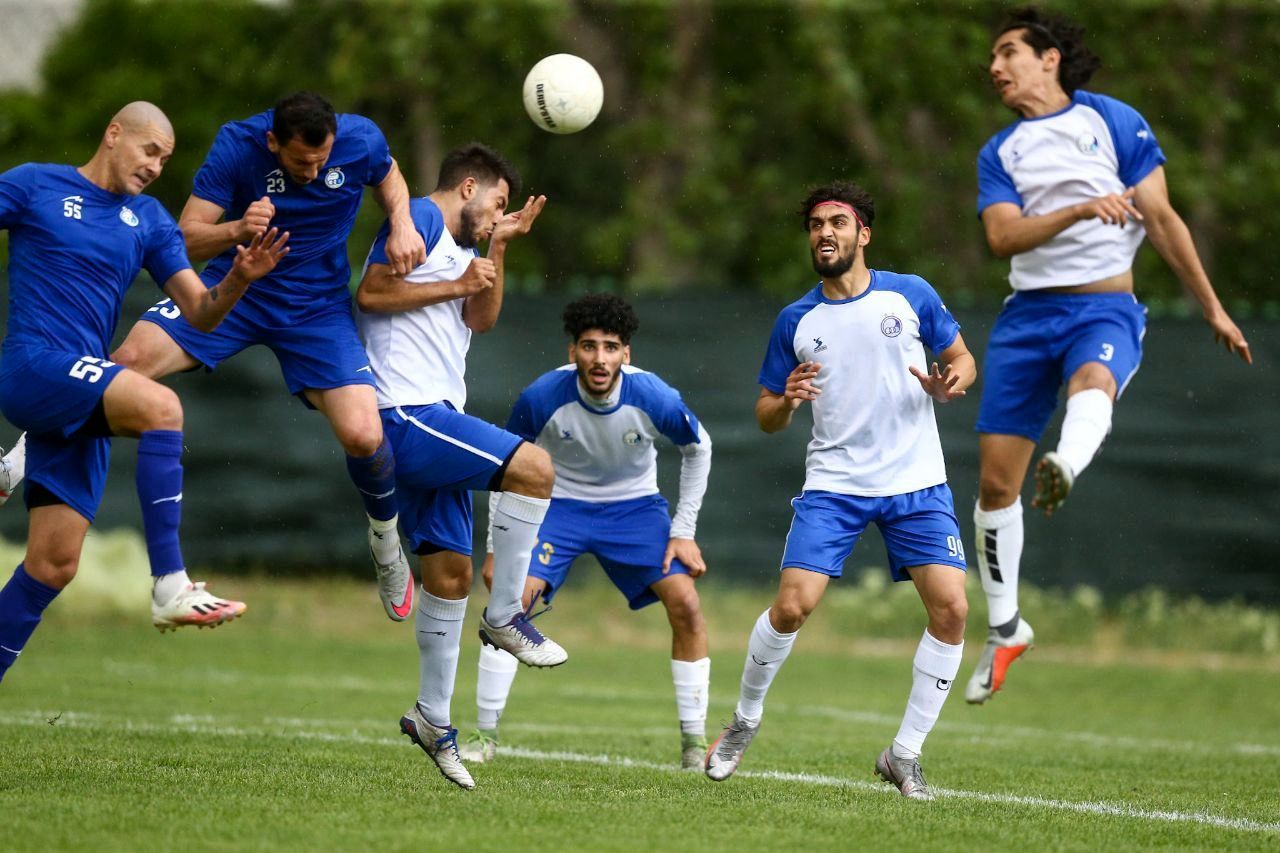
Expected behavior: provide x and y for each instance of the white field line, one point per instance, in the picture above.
(198, 725)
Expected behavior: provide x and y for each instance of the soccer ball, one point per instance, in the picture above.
(563, 93)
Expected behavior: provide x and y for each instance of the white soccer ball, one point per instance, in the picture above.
(563, 93)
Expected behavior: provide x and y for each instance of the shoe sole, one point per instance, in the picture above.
(408, 728)
(1051, 486)
(488, 641)
(168, 625)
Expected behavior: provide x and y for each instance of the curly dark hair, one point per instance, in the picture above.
(1043, 30)
(845, 191)
(604, 311)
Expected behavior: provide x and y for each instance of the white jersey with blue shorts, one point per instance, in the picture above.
(1094, 147)
(418, 360)
(875, 454)
(606, 500)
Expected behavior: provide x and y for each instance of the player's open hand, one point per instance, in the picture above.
(939, 384)
(405, 250)
(800, 385)
(1113, 209)
(257, 219)
(261, 255)
(1226, 332)
(518, 222)
(687, 552)
(481, 275)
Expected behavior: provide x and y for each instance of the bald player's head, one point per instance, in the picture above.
(135, 147)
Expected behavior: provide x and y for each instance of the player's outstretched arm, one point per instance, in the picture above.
(1172, 239)
(204, 307)
(695, 470)
(405, 247)
(481, 310)
(382, 291)
(1010, 233)
(206, 236)
(774, 411)
(959, 370)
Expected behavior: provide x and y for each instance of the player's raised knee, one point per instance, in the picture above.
(162, 409)
(530, 472)
(54, 569)
(361, 439)
(997, 491)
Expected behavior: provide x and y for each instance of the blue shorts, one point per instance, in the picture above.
(1040, 340)
(319, 350)
(52, 394)
(919, 529)
(629, 538)
(441, 455)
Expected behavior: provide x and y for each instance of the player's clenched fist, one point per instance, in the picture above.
(800, 385)
(257, 218)
(481, 275)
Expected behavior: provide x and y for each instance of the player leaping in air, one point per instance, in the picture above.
(417, 328)
(77, 239)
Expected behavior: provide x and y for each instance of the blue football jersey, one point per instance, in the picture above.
(240, 169)
(74, 248)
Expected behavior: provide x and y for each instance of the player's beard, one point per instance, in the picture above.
(836, 267)
(469, 217)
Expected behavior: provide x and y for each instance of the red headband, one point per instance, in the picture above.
(847, 207)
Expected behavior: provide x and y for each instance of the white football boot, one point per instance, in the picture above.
(522, 641)
(1054, 479)
(13, 468)
(440, 745)
(726, 753)
(993, 665)
(481, 746)
(194, 606)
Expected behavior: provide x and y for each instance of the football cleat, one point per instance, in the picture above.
(13, 467)
(440, 745)
(523, 641)
(194, 606)
(998, 653)
(481, 746)
(395, 581)
(693, 751)
(726, 753)
(904, 774)
(1054, 479)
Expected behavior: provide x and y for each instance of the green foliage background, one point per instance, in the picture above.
(717, 115)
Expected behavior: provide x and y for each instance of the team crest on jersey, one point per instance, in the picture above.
(1087, 143)
(891, 326)
(631, 438)
(565, 435)
(334, 178)
(128, 217)
(818, 345)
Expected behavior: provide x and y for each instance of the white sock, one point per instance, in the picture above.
(516, 520)
(998, 535)
(165, 587)
(386, 545)
(932, 673)
(493, 685)
(692, 679)
(766, 651)
(1087, 422)
(15, 464)
(439, 628)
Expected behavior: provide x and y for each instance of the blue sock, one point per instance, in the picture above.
(160, 493)
(22, 601)
(375, 477)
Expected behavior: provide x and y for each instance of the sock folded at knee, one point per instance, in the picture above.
(159, 482)
(439, 628)
(516, 519)
(766, 652)
(932, 673)
(22, 603)
(998, 535)
(1085, 427)
(692, 680)
(493, 685)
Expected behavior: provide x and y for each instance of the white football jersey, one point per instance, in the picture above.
(419, 357)
(874, 432)
(1094, 147)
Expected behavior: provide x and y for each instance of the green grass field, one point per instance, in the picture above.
(280, 731)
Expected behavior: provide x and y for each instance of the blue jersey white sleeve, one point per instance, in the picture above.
(1094, 147)
(419, 357)
(604, 450)
(874, 432)
(240, 169)
(74, 249)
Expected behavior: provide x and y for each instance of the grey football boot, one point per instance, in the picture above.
(726, 753)
(904, 774)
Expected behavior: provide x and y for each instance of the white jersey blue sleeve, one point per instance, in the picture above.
(74, 249)
(419, 357)
(1094, 147)
(874, 432)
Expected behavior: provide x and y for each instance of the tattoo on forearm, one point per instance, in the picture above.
(213, 293)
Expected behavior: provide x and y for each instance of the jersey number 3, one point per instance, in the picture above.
(545, 556)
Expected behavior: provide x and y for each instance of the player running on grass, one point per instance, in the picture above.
(303, 168)
(1067, 192)
(77, 239)
(599, 418)
(417, 329)
(854, 347)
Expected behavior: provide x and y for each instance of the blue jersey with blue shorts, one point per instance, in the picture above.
(74, 248)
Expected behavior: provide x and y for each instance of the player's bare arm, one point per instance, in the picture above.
(205, 307)
(480, 312)
(957, 372)
(1011, 233)
(405, 247)
(206, 236)
(1172, 239)
(774, 411)
(381, 290)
